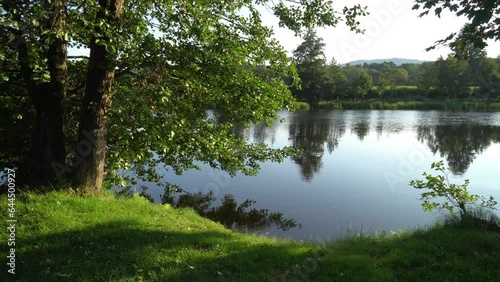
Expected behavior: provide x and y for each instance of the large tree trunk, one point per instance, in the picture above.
(92, 131)
(48, 145)
(48, 138)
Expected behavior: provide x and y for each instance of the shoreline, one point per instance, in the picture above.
(377, 104)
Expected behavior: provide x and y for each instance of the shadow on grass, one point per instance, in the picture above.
(120, 251)
(134, 251)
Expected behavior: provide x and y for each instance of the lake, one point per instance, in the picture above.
(352, 174)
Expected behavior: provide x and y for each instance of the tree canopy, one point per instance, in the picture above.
(483, 20)
(141, 97)
(313, 71)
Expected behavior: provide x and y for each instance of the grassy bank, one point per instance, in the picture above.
(304, 106)
(374, 104)
(63, 237)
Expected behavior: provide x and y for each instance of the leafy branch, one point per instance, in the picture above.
(457, 195)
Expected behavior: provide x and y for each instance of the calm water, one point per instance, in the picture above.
(352, 174)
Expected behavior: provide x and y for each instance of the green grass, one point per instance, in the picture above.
(65, 237)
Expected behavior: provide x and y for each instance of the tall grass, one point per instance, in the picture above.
(304, 106)
(479, 218)
(410, 105)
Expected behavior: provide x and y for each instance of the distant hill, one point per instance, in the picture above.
(397, 61)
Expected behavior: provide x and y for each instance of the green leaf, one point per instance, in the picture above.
(46, 77)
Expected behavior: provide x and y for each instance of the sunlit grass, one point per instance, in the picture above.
(375, 104)
(65, 237)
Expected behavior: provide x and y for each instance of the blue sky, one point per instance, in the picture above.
(393, 29)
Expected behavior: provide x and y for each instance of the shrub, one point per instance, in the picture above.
(457, 195)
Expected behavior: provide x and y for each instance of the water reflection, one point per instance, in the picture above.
(259, 133)
(315, 133)
(230, 214)
(309, 135)
(459, 144)
(361, 128)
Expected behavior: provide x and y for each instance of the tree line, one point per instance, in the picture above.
(457, 76)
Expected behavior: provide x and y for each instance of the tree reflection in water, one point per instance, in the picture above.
(238, 217)
(361, 128)
(309, 135)
(459, 144)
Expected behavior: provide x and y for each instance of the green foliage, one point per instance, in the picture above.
(304, 106)
(393, 77)
(304, 14)
(457, 77)
(482, 20)
(16, 112)
(315, 75)
(311, 49)
(331, 105)
(449, 75)
(456, 195)
(338, 81)
(477, 218)
(358, 81)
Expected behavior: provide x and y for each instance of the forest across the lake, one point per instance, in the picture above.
(462, 77)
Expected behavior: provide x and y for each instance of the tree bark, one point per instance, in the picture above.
(48, 144)
(91, 146)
